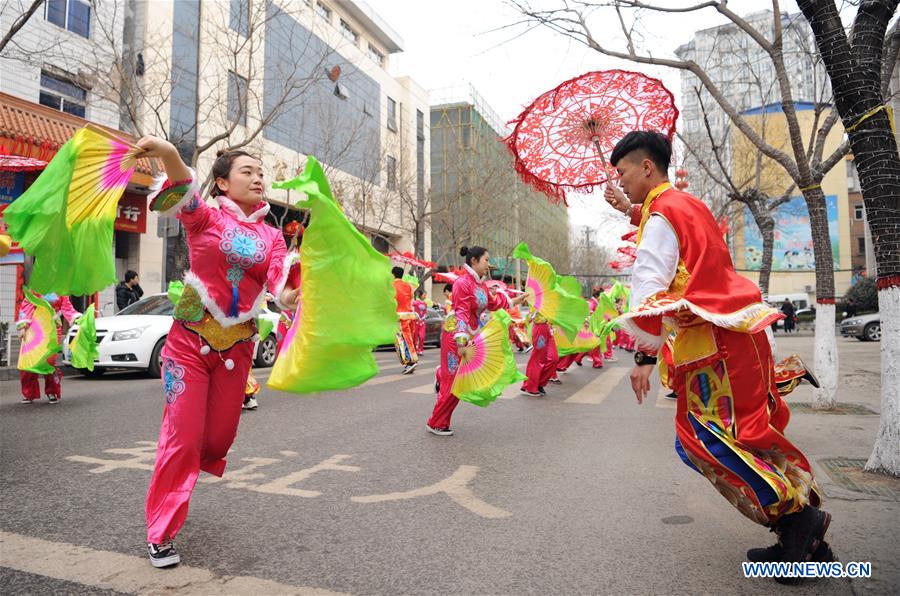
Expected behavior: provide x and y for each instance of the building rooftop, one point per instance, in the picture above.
(465, 94)
(374, 24)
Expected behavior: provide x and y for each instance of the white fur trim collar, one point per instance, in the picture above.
(156, 187)
(473, 274)
(191, 279)
(233, 208)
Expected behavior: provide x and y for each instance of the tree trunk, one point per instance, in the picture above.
(855, 75)
(766, 224)
(826, 356)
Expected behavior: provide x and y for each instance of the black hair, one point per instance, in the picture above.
(448, 288)
(596, 293)
(129, 275)
(471, 253)
(655, 146)
(398, 272)
(222, 167)
(420, 292)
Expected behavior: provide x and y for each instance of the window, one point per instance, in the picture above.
(861, 244)
(62, 95)
(420, 125)
(237, 98)
(392, 114)
(239, 17)
(349, 33)
(74, 15)
(858, 213)
(323, 11)
(391, 173)
(376, 56)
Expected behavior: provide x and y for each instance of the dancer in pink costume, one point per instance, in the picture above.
(235, 258)
(31, 386)
(471, 298)
(421, 310)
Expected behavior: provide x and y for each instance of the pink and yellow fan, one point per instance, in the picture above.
(39, 342)
(491, 367)
(584, 341)
(65, 219)
(547, 297)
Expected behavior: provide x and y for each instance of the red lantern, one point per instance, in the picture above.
(681, 173)
(681, 184)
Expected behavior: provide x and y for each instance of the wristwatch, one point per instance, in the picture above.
(641, 359)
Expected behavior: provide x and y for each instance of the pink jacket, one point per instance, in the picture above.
(235, 258)
(471, 297)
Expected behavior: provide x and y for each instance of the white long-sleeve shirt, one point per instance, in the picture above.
(656, 262)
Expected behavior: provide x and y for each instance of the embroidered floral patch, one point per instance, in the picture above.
(541, 342)
(243, 249)
(173, 380)
(452, 363)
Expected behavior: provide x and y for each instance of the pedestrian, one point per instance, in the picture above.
(235, 256)
(420, 307)
(405, 341)
(850, 308)
(470, 298)
(730, 419)
(28, 326)
(790, 315)
(128, 291)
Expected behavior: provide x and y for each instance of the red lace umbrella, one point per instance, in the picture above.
(562, 140)
(410, 259)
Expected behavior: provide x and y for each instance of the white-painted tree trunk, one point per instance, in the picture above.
(885, 456)
(826, 364)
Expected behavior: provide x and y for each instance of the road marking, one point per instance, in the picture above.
(597, 390)
(422, 390)
(511, 392)
(456, 487)
(662, 401)
(382, 380)
(127, 573)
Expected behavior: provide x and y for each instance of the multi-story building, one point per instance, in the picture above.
(857, 216)
(745, 75)
(58, 72)
(793, 265)
(476, 196)
(286, 79)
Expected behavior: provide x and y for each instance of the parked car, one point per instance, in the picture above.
(804, 315)
(135, 336)
(862, 327)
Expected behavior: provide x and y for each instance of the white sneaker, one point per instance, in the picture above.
(250, 403)
(441, 432)
(163, 555)
(409, 368)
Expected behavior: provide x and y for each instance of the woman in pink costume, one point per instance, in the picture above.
(471, 297)
(31, 386)
(236, 257)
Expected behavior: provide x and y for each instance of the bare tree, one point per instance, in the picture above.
(741, 174)
(19, 22)
(861, 65)
(806, 168)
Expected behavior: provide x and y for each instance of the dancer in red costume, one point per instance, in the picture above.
(730, 418)
(31, 386)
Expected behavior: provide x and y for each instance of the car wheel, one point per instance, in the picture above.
(93, 374)
(872, 332)
(156, 359)
(265, 354)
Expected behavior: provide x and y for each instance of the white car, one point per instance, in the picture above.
(135, 336)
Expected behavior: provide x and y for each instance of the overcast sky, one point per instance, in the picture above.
(449, 42)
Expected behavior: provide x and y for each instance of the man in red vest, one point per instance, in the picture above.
(730, 418)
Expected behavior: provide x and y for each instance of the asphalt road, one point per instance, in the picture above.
(577, 493)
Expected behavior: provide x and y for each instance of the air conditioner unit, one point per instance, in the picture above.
(808, 289)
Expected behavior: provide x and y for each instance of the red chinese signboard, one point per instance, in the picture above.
(131, 214)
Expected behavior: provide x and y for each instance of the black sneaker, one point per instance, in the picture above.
(531, 393)
(53, 399)
(25, 400)
(441, 432)
(556, 381)
(672, 395)
(163, 555)
(541, 391)
(773, 554)
(409, 368)
(577, 363)
(800, 533)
